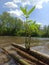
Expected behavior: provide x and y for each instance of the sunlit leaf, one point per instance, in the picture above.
(24, 10)
(31, 10)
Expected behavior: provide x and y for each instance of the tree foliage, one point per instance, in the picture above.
(15, 26)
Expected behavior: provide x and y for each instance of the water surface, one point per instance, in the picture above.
(38, 44)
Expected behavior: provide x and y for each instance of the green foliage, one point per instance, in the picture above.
(24, 10)
(15, 26)
(9, 25)
(31, 10)
(29, 25)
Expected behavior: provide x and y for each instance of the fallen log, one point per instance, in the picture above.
(16, 58)
(29, 57)
(41, 57)
(21, 61)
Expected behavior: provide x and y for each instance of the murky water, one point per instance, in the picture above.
(42, 49)
(38, 44)
(5, 59)
(11, 62)
(42, 45)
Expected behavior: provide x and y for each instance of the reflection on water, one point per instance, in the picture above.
(42, 49)
(42, 45)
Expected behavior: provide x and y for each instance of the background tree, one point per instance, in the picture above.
(13, 26)
(9, 25)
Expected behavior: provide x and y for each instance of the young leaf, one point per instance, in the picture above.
(29, 21)
(30, 11)
(24, 10)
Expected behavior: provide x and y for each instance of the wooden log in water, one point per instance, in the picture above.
(38, 55)
(21, 61)
(16, 58)
(29, 57)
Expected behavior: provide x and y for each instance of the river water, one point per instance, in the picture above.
(38, 44)
(42, 46)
